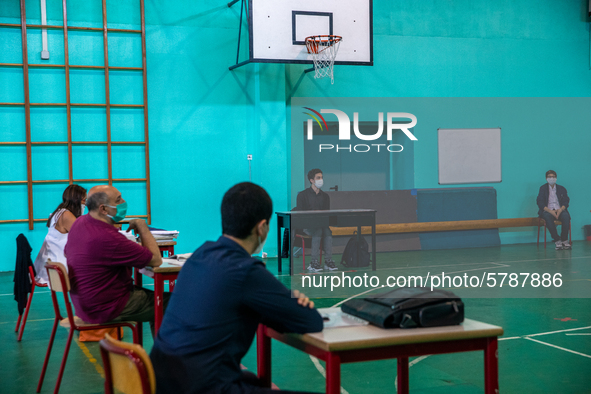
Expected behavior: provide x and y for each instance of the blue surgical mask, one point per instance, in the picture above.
(121, 212)
(319, 183)
(551, 180)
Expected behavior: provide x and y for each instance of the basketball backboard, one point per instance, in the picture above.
(278, 28)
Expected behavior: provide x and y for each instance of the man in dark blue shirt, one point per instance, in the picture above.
(221, 296)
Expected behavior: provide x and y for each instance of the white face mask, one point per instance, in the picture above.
(551, 180)
(260, 247)
(82, 208)
(319, 183)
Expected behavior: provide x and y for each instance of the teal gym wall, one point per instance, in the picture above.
(205, 119)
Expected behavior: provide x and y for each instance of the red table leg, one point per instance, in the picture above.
(168, 248)
(402, 366)
(491, 367)
(264, 356)
(333, 374)
(159, 306)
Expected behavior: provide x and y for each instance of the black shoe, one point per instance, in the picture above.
(314, 266)
(330, 265)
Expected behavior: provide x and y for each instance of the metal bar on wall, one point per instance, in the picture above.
(27, 112)
(68, 107)
(74, 143)
(27, 106)
(146, 134)
(71, 66)
(107, 94)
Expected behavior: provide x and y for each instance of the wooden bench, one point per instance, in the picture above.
(423, 227)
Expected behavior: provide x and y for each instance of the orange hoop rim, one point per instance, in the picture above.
(312, 42)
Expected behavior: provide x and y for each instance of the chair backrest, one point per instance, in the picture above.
(127, 367)
(58, 276)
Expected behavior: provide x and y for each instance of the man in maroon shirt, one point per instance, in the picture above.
(101, 261)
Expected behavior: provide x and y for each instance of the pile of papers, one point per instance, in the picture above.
(334, 317)
(163, 235)
(129, 235)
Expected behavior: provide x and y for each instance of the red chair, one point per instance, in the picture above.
(127, 367)
(59, 281)
(542, 222)
(303, 237)
(24, 316)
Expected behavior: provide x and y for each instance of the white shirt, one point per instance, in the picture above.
(52, 248)
(553, 199)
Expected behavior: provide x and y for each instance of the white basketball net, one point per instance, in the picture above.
(323, 50)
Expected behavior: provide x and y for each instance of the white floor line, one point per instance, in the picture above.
(558, 347)
(37, 292)
(555, 332)
(550, 259)
(42, 292)
(417, 360)
(28, 321)
(410, 364)
(350, 298)
(577, 334)
(508, 338)
(322, 371)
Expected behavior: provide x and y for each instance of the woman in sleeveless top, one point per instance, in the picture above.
(59, 223)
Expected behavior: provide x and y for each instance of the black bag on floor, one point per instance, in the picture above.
(409, 307)
(356, 253)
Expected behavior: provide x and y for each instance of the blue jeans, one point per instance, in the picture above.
(564, 218)
(317, 234)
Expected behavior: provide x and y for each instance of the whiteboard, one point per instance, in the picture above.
(469, 155)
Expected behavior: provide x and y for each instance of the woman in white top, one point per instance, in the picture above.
(59, 223)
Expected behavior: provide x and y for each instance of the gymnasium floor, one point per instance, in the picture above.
(546, 347)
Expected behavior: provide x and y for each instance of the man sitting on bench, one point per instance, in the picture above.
(552, 203)
(311, 199)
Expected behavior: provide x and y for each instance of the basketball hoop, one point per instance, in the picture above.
(323, 50)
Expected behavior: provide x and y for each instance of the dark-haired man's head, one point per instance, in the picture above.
(551, 177)
(246, 211)
(315, 177)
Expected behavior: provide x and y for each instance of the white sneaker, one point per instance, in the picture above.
(558, 245)
(566, 245)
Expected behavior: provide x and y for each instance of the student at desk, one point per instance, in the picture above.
(59, 224)
(100, 261)
(222, 294)
(313, 198)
